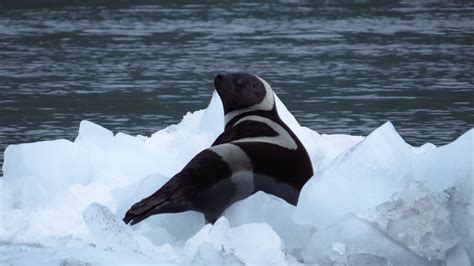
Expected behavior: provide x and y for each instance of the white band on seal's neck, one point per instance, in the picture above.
(265, 105)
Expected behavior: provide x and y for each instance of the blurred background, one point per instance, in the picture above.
(138, 66)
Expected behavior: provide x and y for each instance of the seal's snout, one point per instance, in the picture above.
(219, 78)
(218, 81)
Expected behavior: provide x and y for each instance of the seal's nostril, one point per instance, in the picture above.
(219, 77)
(219, 82)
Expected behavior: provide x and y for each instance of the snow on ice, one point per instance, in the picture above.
(373, 200)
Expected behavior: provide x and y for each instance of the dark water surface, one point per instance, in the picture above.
(136, 68)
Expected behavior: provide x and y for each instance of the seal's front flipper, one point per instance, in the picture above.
(179, 194)
(145, 208)
(173, 197)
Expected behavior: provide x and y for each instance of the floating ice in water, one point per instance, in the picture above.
(373, 200)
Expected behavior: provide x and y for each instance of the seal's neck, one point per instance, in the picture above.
(266, 104)
(271, 114)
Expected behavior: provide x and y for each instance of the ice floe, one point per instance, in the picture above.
(373, 200)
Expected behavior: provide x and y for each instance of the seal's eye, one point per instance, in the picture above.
(244, 83)
(239, 82)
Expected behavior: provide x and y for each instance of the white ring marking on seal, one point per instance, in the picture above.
(283, 138)
(241, 167)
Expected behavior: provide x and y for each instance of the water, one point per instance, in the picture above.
(136, 68)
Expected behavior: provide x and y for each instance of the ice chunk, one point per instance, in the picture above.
(121, 157)
(462, 217)
(427, 147)
(458, 257)
(212, 245)
(448, 166)
(182, 141)
(250, 243)
(362, 178)
(156, 234)
(209, 235)
(93, 134)
(208, 255)
(257, 244)
(363, 243)
(449, 171)
(109, 232)
(265, 208)
(33, 171)
(73, 262)
(419, 221)
(331, 146)
(180, 226)
(35, 254)
(366, 260)
(323, 149)
(213, 117)
(106, 230)
(286, 116)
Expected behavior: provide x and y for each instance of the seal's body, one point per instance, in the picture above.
(256, 152)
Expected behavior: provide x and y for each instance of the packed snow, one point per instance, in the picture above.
(373, 200)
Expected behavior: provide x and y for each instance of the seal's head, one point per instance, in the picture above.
(243, 92)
